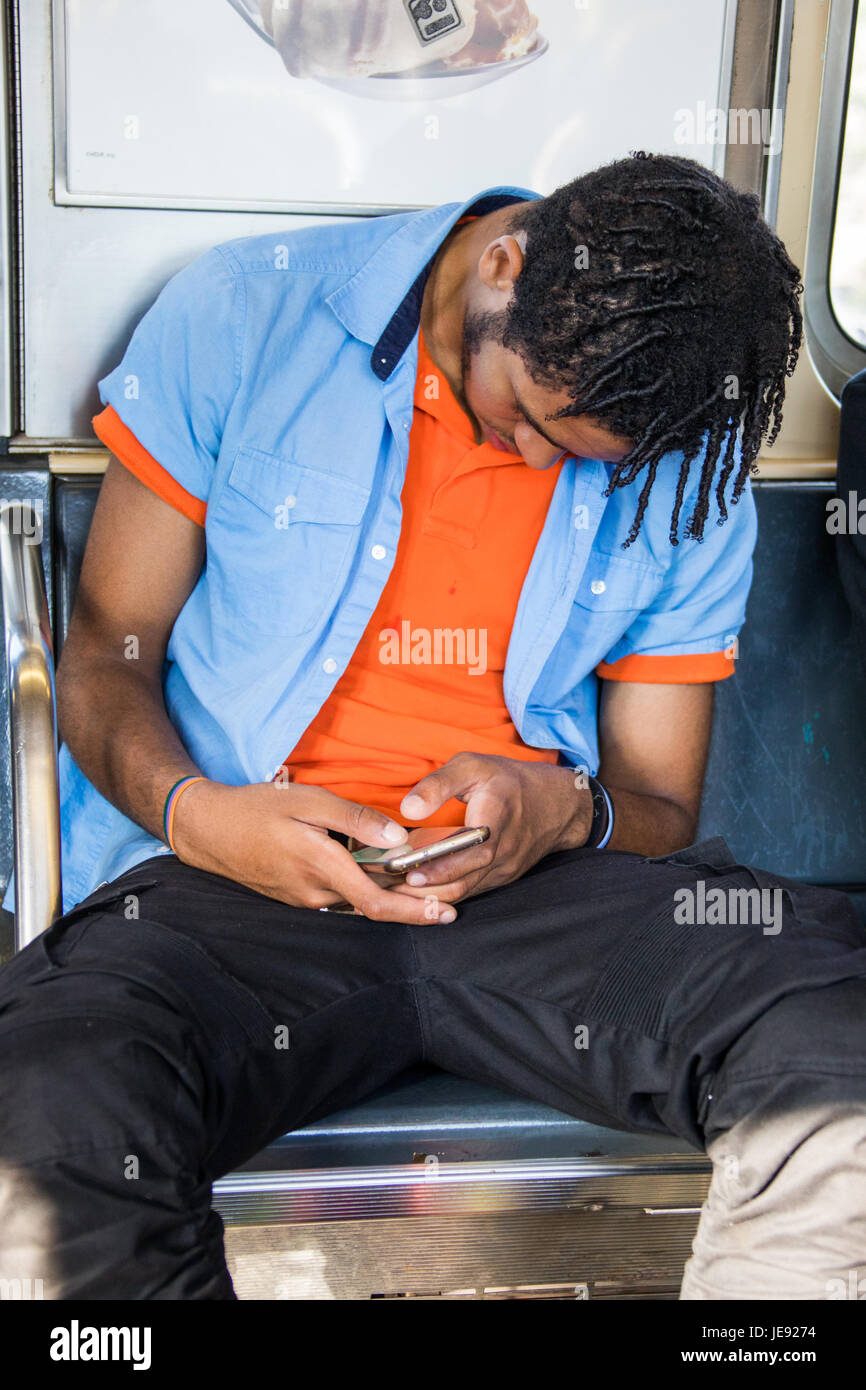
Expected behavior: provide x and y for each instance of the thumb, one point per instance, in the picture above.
(454, 779)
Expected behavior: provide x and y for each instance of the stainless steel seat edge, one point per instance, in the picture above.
(33, 724)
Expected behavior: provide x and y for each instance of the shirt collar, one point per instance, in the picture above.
(444, 407)
(375, 304)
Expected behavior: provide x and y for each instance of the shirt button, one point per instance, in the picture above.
(378, 552)
(598, 586)
(291, 500)
(329, 665)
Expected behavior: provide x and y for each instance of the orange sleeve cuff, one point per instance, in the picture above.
(117, 437)
(694, 669)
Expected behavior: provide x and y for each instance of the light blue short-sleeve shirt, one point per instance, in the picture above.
(273, 378)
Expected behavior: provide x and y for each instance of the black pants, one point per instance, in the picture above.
(174, 1023)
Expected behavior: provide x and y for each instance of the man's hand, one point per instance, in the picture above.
(275, 839)
(532, 809)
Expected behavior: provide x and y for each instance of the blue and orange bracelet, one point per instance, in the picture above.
(171, 802)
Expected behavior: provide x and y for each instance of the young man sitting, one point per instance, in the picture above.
(515, 433)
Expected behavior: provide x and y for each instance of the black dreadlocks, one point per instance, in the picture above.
(679, 321)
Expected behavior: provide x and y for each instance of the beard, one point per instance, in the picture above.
(480, 326)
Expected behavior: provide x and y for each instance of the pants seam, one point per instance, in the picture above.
(414, 980)
(187, 1018)
(567, 1009)
(819, 1069)
(98, 1146)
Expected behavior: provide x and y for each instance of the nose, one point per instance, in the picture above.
(537, 451)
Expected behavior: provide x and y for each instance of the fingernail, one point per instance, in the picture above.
(447, 914)
(413, 807)
(396, 834)
(416, 880)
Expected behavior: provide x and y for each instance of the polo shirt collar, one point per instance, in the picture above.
(381, 303)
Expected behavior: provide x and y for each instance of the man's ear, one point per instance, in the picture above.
(502, 261)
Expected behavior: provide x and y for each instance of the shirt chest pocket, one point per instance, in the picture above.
(281, 541)
(611, 593)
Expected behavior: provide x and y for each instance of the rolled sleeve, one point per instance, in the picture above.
(167, 400)
(688, 634)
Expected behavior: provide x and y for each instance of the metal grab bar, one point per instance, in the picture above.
(32, 723)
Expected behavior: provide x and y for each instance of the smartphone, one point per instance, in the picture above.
(425, 844)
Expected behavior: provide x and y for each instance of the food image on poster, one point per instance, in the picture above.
(368, 39)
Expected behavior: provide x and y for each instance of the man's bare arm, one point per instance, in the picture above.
(654, 741)
(142, 561)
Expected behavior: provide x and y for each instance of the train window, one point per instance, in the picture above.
(835, 300)
(848, 256)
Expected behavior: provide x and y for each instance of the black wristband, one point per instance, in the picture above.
(602, 816)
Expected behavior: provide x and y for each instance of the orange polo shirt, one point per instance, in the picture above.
(425, 681)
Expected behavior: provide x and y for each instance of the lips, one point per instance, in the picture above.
(493, 438)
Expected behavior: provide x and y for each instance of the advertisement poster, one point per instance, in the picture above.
(343, 105)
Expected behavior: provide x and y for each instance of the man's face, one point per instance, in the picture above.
(512, 409)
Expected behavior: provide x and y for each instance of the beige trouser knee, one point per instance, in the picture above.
(785, 1217)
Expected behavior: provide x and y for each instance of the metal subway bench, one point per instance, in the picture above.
(435, 1186)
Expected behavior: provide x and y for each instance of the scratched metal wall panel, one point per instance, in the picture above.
(786, 783)
(614, 1252)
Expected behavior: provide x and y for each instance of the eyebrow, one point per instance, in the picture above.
(538, 430)
(535, 425)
